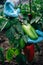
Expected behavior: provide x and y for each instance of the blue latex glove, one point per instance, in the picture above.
(9, 9)
(40, 38)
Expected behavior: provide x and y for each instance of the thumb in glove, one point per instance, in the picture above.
(40, 38)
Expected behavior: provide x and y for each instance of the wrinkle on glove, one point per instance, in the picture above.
(9, 9)
(40, 38)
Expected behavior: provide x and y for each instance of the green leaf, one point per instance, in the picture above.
(9, 54)
(18, 27)
(32, 21)
(25, 38)
(2, 55)
(21, 59)
(3, 22)
(10, 35)
(36, 20)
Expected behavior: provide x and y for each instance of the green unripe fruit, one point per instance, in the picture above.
(30, 31)
(22, 43)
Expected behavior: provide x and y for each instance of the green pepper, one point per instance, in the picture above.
(22, 43)
(30, 31)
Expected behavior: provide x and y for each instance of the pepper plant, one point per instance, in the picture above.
(34, 10)
(13, 30)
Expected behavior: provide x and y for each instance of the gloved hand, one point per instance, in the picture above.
(9, 9)
(40, 38)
